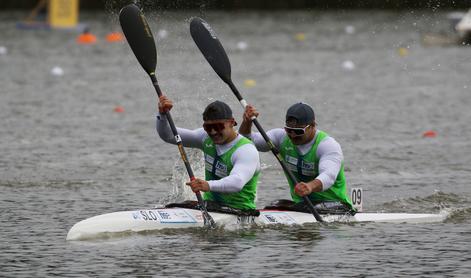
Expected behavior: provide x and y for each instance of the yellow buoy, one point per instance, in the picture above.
(249, 83)
(300, 37)
(403, 51)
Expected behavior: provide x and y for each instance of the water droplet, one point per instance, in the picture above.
(242, 45)
(57, 71)
(162, 33)
(3, 50)
(348, 65)
(349, 29)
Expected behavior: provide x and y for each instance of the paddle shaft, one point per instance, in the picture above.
(207, 218)
(212, 49)
(275, 151)
(142, 43)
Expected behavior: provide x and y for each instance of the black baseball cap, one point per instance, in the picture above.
(217, 110)
(301, 114)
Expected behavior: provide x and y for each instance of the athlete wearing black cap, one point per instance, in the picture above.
(232, 163)
(314, 157)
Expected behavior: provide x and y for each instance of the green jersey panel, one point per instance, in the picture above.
(218, 167)
(306, 168)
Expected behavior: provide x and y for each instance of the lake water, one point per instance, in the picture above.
(66, 155)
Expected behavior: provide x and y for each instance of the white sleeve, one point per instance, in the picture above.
(330, 161)
(246, 162)
(275, 135)
(190, 138)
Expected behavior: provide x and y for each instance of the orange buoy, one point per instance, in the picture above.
(114, 37)
(86, 37)
(429, 134)
(119, 109)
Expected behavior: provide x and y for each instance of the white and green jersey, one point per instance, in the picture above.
(306, 168)
(219, 166)
(244, 158)
(324, 161)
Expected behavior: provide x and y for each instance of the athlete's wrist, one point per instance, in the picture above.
(315, 185)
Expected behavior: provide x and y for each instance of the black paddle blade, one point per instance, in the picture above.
(208, 43)
(139, 36)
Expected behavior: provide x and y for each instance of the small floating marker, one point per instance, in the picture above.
(114, 37)
(3, 50)
(57, 71)
(300, 37)
(348, 65)
(162, 33)
(429, 134)
(86, 37)
(249, 83)
(349, 29)
(242, 45)
(403, 51)
(118, 109)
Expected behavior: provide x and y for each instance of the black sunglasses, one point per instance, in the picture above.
(298, 131)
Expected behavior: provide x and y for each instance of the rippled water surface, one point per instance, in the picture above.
(66, 155)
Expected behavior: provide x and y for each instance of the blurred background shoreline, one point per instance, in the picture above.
(258, 4)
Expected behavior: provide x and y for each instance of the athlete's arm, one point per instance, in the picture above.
(330, 162)
(246, 162)
(275, 135)
(190, 138)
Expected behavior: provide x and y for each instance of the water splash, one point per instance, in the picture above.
(180, 191)
(437, 202)
(460, 215)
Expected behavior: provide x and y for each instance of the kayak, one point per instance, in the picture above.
(464, 25)
(177, 218)
(464, 28)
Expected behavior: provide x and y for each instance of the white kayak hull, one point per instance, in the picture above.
(464, 25)
(175, 218)
(464, 28)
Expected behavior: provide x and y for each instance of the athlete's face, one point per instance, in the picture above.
(220, 131)
(299, 134)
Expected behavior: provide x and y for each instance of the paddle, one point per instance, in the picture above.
(140, 39)
(208, 43)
